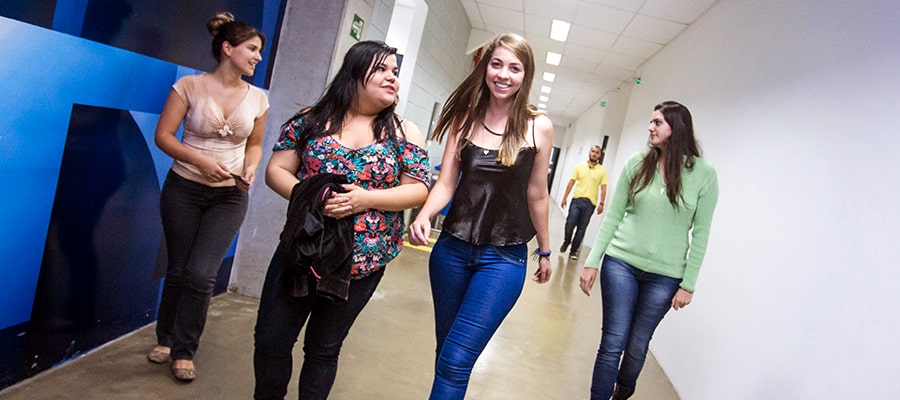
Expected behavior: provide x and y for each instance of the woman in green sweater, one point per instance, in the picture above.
(652, 242)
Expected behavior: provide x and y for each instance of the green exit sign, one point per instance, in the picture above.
(356, 27)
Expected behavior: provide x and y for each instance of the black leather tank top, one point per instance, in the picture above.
(491, 201)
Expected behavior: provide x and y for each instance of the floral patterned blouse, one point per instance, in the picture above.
(378, 234)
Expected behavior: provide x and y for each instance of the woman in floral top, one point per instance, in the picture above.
(352, 131)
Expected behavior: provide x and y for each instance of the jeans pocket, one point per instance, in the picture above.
(515, 254)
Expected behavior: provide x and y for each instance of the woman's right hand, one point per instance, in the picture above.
(213, 170)
(419, 231)
(588, 277)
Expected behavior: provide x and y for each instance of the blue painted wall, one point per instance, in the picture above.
(80, 98)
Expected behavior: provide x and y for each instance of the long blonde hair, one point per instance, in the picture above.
(466, 107)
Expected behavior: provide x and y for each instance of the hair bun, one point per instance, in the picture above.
(217, 22)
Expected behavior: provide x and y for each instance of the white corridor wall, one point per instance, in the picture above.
(794, 103)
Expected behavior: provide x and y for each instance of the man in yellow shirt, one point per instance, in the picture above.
(590, 176)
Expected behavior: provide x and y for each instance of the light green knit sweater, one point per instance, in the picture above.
(652, 235)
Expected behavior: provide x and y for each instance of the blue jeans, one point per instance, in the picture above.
(634, 303)
(580, 212)
(279, 321)
(200, 223)
(474, 288)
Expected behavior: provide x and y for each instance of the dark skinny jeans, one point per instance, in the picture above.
(199, 222)
(278, 323)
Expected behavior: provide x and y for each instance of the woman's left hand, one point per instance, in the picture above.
(341, 205)
(682, 299)
(245, 187)
(542, 274)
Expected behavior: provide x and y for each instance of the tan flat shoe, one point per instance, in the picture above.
(184, 374)
(158, 355)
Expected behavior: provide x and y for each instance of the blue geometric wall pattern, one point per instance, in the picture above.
(80, 102)
(54, 72)
(105, 217)
(153, 28)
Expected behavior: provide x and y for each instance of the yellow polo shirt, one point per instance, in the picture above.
(588, 180)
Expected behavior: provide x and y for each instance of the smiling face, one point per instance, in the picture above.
(659, 130)
(380, 89)
(504, 74)
(244, 56)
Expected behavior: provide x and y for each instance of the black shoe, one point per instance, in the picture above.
(564, 247)
(622, 393)
(573, 255)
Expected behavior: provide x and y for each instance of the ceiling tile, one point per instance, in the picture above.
(653, 29)
(627, 5)
(585, 35)
(505, 19)
(580, 65)
(602, 17)
(508, 4)
(538, 25)
(542, 43)
(683, 11)
(621, 60)
(614, 73)
(563, 10)
(585, 53)
(636, 47)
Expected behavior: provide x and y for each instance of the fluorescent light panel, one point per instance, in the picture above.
(559, 30)
(549, 76)
(544, 99)
(553, 58)
(545, 89)
(542, 105)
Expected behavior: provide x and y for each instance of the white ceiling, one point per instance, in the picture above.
(608, 42)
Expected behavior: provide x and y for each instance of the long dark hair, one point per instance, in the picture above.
(224, 28)
(466, 107)
(681, 150)
(326, 117)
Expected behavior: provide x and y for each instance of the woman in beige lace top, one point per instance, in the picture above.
(204, 198)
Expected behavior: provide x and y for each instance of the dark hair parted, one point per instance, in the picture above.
(326, 117)
(466, 107)
(681, 149)
(224, 28)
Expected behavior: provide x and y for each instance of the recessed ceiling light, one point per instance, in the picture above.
(545, 89)
(542, 105)
(559, 30)
(549, 76)
(553, 58)
(544, 98)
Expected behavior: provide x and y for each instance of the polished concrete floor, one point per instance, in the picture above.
(544, 349)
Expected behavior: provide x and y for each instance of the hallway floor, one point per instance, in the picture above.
(544, 350)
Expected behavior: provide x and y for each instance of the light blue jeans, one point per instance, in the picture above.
(634, 303)
(474, 288)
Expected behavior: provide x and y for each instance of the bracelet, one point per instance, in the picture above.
(540, 253)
